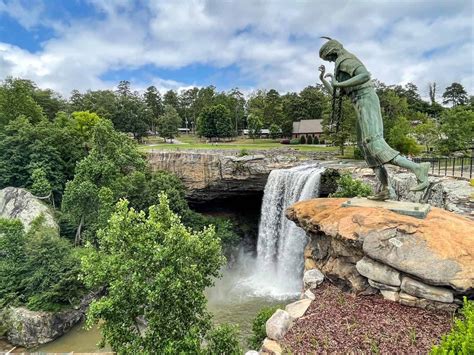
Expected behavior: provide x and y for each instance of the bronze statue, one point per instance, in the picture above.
(353, 79)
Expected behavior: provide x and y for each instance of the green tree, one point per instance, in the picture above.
(400, 139)
(155, 106)
(112, 161)
(168, 123)
(273, 108)
(169, 297)
(455, 94)
(40, 185)
(457, 129)
(255, 124)
(215, 122)
(17, 99)
(427, 133)
(275, 131)
(38, 269)
(55, 147)
(313, 101)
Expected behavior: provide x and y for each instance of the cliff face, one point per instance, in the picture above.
(216, 174)
(420, 262)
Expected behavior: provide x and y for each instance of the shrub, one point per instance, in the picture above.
(349, 187)
(37, 269)
(258, 326)
(309, 140)
(461, 338)
(302, 140)
(295, 141)
(358, 154)
(243, 152)
(316, 140)
(285, 141)
(223, 339)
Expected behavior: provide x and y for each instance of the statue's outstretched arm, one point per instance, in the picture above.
(326, 84)
(362, 76)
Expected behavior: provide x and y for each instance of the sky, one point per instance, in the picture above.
(176, 44)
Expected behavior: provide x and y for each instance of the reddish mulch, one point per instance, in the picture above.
(338, 322)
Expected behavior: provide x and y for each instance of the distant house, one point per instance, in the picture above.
(308, 128)
(264, 132)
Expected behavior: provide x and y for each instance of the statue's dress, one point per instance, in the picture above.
(369, 125)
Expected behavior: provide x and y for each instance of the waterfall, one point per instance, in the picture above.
(281, 243)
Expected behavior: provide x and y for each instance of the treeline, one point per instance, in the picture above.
(409, 121)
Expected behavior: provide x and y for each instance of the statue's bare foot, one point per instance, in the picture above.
(422, 177)
(381, 196)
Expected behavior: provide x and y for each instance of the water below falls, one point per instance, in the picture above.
(273, 277)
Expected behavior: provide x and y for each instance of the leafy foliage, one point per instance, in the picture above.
(461, 338)
(168, 123)
(215, 122)
(37, 269)
(457, 128)
(399, 137)
(223, 340)
(258, 327)
(40, 185)
(350, 187)
(169, 296)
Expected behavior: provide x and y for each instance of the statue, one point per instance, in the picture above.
(353, 80)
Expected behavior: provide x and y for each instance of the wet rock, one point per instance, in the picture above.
(21, 204)
(419, 289)
(312, 278)
(278, 324)
(378, 272)
(297, 309)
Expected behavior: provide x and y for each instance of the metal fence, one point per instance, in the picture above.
(458, 167)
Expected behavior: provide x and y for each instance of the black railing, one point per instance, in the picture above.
(458, 167)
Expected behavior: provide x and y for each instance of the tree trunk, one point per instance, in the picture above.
(77, 239)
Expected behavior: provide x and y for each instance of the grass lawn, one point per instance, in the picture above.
(193, 142)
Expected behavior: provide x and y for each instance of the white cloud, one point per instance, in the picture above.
(274, 44)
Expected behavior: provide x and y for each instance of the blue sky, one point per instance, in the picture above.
(93, 44)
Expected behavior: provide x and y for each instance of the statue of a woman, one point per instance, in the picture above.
(353, 79)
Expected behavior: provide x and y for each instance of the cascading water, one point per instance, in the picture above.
(280, 242)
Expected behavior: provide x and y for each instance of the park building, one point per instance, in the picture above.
(308, 128)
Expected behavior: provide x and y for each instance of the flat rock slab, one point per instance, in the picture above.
(418, 210)
(297, 309)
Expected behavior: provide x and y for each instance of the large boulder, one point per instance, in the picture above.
(278, 324)
(438, 250)
(21, 204)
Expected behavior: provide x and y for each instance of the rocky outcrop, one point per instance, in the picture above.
(21, 204)
(216, 174)
(451, 194)
(368, 249)
(31, 328)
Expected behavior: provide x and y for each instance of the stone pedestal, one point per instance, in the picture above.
(418, 210)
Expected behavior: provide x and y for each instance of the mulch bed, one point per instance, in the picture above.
(339, 322)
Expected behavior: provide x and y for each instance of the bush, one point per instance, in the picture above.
(285, 141)
(243, 152)
(316, 140)
(309, 140)
(461, 338)
(358, 154)
(349, 187)
(302, 140)
(258, 326)
(38, 269)
(295, 141)
(223, 340)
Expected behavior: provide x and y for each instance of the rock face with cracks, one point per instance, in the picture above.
(371, 249)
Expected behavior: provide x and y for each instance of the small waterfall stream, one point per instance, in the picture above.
(280, 242)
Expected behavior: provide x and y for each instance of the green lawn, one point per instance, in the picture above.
(193, 142)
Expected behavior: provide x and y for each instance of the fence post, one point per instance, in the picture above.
(446, 166)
